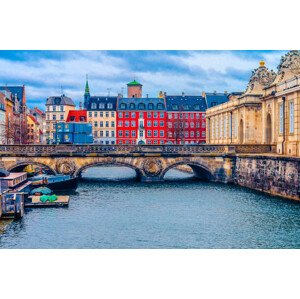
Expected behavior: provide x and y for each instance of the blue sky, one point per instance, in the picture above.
(44, 72)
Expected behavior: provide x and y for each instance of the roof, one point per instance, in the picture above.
(101, 103)
(214, 99)
(134, 83)
(38, 111)
(14, 90)
(33, 119)
(141, 104)
(77, 114)
(60, 100)
(185, 103)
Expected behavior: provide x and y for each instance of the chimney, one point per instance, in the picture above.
(80, 106)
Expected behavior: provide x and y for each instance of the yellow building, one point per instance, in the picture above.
(33, 130)
(281, 107)
(238, 121)
(57, 110)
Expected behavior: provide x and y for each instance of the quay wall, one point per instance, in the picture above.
(273, 175)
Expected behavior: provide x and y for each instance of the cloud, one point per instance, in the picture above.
(44, 72)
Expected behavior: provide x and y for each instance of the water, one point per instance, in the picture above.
(112, 210)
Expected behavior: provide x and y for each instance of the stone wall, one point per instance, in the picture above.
(269, 174)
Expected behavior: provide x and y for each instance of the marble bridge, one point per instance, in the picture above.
(209, 162)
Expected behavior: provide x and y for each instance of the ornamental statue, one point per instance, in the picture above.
(152, 167)
(260, 78)
(65, 166)
(289, 65)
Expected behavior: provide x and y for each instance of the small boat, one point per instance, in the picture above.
(54, 182)
(12, 205)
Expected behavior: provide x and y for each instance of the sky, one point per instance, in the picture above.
(49, 73)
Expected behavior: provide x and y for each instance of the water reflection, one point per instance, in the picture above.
(112, 210)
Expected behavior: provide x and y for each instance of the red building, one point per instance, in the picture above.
(141, 121)
(186, 122)
(77, 116)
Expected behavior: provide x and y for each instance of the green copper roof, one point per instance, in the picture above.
(87, 89)
(133, 83)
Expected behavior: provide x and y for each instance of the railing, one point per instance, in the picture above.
(81, 150)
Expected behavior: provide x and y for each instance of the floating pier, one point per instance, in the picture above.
(34, 201)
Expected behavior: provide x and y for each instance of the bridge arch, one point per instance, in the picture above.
(200, 170)
(79, 171)
(16, 167)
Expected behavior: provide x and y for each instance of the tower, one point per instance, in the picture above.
(134, 89)
(86, 93)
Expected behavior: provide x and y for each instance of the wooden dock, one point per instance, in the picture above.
(35, 202)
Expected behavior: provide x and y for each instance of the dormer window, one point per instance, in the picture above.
(101, 106)
(175, 107)
(132, 106)
(160, 106)
(150, 106)
(141, 106)
(94, 106)
(109, 106)
(123, 106)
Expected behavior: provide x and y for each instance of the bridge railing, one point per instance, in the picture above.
(45, 150)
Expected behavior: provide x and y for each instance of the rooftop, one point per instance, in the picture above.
(134, 83)
(60, 100)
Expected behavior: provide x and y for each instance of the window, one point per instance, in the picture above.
(169, 115)
(95, 124)
(132, 114)
(281, 118)
(106, 133)
(54, 117)
(94, 106)
(101, 114)
(176, 116)
(161, 115)
(126, 123)
(149, 114)
(149, 133)
(101, 124)
(161, 123)
(170, 134)
(54, 108)
(109, 106)
(192, 134)
(291, 117)
(186, 124)
(123, 106)
(181, 116)
(192, 115)
(150, 106)
(197, 115)
(120, 114)
(133, 123)
(113, 124)
(198, 134)
(155, 133)
(112, 133)
(120, 123)
(175, 107)
(161, 142)
(101, 106)
(101, 133)
(186, 115)
(126, 114)
(126, 133)
(186, 134)
(203, 134)
(95, 114)
(120, 133)
(53, 126)
(161, 133)
(141, 133)
(132, 106)
(169, 125)
(133, 133)
(113, 114)
(148, 141)
(141, 106)
(61, 117)
(149, 123)
(197, 107)
(155, 114)
(141, 114)
(160, 106)
(155, 123)
(107, 124)
(155, 141)
(106, 114)
(61, 108)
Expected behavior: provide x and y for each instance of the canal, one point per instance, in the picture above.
(112, 210)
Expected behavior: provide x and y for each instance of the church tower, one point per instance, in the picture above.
(86, 93)
(134, 89)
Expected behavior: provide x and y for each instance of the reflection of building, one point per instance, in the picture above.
(281, 107)
(57, 110)
(141, 121)
(186, 119)
(238, 121)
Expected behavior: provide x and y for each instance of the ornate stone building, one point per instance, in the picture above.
(281, 107)
(238, 121)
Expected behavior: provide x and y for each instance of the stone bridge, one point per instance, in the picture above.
(208, 162)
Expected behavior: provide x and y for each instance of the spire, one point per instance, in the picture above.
(87, 88)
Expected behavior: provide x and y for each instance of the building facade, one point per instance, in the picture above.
(239, 121)
(2, 118)
(34, 132)
(186, 123)
(281, 107)
(40, 116)
(57, 110)
(141, 121)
